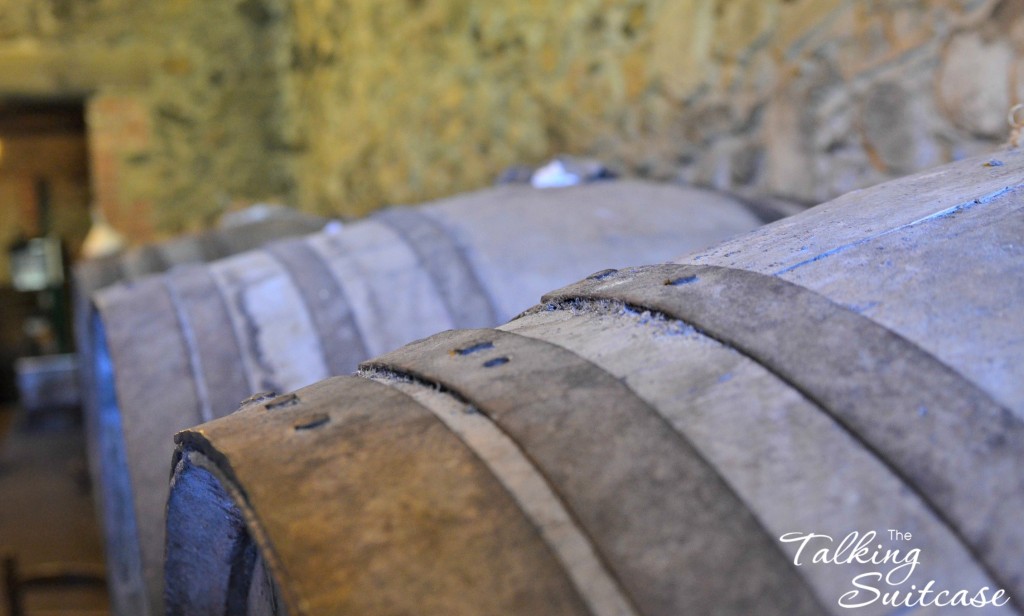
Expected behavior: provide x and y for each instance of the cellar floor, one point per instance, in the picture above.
(47, 515)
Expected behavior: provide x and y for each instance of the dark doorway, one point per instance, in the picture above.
(44, 193)
(51, 552)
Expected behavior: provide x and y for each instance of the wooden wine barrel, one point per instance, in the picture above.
(248, 229)
(254, 228)
(94, 274)
(643, 440)
(185, 347)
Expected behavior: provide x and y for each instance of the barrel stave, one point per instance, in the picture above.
(794, 467)
(435, 497)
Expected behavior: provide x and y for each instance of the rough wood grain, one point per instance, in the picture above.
(786, 393)
(94, 275)
(308, 308)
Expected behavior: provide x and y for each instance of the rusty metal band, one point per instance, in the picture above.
(214, 351)
(659, 515)
(339, 336)
(205, 412)
(945, 437)
(361, 501)
(530, 490)
(461, 290)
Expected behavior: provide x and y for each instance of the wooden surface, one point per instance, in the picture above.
(300, 311)
(853, 368)
(91, 276)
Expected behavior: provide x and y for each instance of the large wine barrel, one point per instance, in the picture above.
(185, 347)
(248, 233)
(658, 440)
(240, 231)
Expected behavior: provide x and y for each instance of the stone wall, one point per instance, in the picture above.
(183, 105)
(341, 106)
(803, 99)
